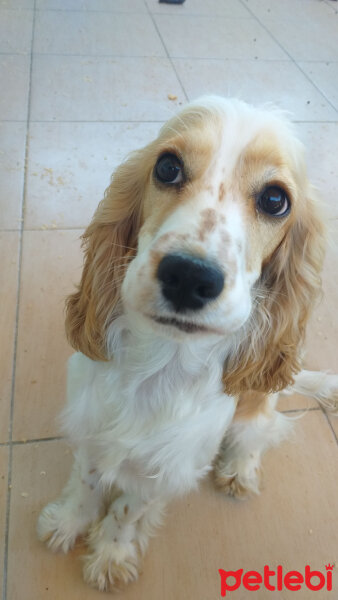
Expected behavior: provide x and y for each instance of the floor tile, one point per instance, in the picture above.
(216, 8)
(96, 33)
(296, 402)
(15, 4)
(132, 6)
(321, 143)
(9, 252)
(324, 75)
(304, 40)
(3, 502)
(301, 11)
(212, 37)
(70, 88)
(266, 82)
(16, 31)
(14, 77)
(238, 534)
(38, 472)
(70, 165)
(12, 158)
(322, 333)
(51, 265)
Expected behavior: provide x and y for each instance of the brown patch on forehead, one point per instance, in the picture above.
(208, 223)
(221, 192)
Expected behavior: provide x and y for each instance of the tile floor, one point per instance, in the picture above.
(82, 83)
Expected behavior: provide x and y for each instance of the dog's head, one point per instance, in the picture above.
(210, 230)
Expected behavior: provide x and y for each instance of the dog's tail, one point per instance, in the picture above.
(319, 385)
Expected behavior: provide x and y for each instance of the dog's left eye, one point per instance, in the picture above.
(168, 169)
(274, 202)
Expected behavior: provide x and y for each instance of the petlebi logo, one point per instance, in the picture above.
(276, 580)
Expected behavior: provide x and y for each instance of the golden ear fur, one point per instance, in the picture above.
(268, 356)
(109, 244)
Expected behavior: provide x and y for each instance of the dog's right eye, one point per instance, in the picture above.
(168, 169)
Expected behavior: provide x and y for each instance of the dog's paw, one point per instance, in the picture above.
(58, 527)
(114, 560)
(101, 571)
(240, 478)
(111, 565)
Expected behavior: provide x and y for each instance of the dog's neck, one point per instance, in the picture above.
(149, 361)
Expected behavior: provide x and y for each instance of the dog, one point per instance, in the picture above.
(202, 265)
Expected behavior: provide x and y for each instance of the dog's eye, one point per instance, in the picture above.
(168, 169)
(273, 201)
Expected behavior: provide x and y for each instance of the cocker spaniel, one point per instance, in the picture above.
(202, 265)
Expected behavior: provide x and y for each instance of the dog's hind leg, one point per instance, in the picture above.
(323, 387)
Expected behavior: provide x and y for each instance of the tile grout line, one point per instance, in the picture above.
(167, 55)
(161, 121)
(20, 253)
(292, 59)
(326, 416)
(32, 441)
(159, 56)
(166, 50)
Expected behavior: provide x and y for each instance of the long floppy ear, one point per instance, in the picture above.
(269, 356)
(109, 244)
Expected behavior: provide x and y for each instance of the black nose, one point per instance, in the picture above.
(189, 282)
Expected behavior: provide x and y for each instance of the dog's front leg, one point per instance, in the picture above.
(118, 541)
(70, 515)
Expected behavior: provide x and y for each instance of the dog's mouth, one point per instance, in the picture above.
(185, 326)
(182, 325)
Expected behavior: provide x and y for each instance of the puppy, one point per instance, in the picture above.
(202, 265)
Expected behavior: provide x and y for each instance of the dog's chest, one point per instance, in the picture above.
(172, 430)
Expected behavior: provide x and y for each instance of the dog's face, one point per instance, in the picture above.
(210, 230)
(222, 191)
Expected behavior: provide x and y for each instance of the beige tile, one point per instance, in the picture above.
(324, 75)
(70, 165)
(303, 39)
(322, 334)
(14, 77)
(40, 571)
(96, 33)
(16, 4)
(266, 82)
(9, 252)
(292, 523)
(301, 11)
(50, 267)
(216, 37)
(132, 6)
(296, 402)
(72, 88)
(3, 502)
(12, 158)
(321, 142)
(216, 8)
(16, 31)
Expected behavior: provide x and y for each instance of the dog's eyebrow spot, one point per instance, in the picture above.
(126, 509)
(221, 192)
